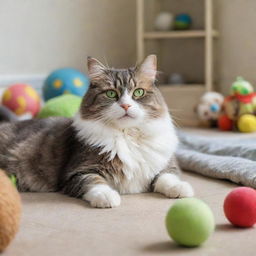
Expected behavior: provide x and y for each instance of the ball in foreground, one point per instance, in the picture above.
(21, 99)
(240, 207)
(65, 81)
(10, 211)
(190, 222)
(65, 105)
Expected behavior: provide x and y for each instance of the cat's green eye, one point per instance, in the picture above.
(111, 94)
(139, 92)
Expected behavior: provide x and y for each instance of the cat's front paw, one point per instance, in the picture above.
(102, 196)
(171, 186)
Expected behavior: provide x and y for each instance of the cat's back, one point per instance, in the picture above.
(17, 132)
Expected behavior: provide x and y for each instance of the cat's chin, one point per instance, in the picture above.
(127, 122)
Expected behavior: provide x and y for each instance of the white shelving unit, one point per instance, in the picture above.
(208, 33)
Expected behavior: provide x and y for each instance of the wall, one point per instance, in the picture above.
(236, 48)
(39, 36)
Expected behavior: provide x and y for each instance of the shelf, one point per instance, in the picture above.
(165, 88)
(178, 34)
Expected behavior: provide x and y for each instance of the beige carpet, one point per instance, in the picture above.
(54, 224)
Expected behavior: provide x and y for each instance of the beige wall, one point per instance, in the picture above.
(38, 36)
(236, 51)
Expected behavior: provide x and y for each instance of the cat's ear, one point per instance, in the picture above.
(148, 68)
(95, 68)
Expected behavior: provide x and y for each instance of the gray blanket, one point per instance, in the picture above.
(223, 158)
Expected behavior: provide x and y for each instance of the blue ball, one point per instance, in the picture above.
(215, 107)
(182, 21)
(65, 81)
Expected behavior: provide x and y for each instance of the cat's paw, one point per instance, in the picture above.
(180, 190)
(102, 196)
(171, 186)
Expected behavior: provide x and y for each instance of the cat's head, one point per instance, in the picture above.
(123, 97)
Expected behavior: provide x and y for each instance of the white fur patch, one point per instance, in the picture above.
(102, 196)
(144, 150)
(171, 186)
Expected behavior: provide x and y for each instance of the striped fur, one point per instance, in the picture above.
(124, 144)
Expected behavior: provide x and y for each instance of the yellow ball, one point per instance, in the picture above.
(247, 123)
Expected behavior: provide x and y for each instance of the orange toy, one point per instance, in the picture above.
(21, 99)
(10, 210)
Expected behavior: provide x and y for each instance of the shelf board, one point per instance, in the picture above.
(165, 88)
(178, 34)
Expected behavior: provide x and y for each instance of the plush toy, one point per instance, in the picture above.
(240, 106)
(164, 21)
(65, 81)
(182, 21)
(10, 210)
(21, 99)
(209, 108)
(65, 105)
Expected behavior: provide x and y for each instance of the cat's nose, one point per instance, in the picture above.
(125, 106)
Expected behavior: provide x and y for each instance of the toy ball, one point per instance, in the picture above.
(10, 210)
(65, 81)
(190, 222)
(164, 21)
(21, 99)
(176, 79)
(241, 87)
(240, 207)
(65, 105)
(225, 123)
(247, 123)
(182, 21)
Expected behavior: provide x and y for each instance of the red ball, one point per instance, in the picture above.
(240, 207)
(224, 123)
(21, 99)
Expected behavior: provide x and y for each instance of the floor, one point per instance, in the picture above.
(53, 224)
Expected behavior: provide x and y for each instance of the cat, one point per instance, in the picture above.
(121, 141)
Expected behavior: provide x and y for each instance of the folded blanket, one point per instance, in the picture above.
(223, 158)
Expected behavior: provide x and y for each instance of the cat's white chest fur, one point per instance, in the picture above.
(144, 151)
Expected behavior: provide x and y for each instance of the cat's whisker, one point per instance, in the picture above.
(106, 62)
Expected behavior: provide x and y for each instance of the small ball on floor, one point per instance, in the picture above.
(240, 207)
(190, 222)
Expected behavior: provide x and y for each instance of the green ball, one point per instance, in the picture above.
(190, 222)
(65, 105)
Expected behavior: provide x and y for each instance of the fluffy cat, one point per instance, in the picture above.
(121, 141)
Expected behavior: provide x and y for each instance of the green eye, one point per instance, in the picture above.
(111, 94)
(138, 92)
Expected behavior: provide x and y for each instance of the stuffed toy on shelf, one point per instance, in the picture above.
(239, 108)
(209, 108)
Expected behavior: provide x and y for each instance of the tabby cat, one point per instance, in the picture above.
(121, 141)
